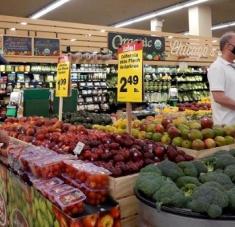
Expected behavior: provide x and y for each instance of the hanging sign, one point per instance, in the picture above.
(153, 46)
(14, 45)
(63, 83)
(46, 47)
(130, 72)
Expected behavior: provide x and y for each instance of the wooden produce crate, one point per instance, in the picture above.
(122, 190)
(206, 152)
(121, 187)
(130, 221)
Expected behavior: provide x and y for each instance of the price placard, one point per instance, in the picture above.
(130, 72)
(63, 84)
(78, 149)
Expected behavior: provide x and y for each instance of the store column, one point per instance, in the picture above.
(156, 25)
(200, 21)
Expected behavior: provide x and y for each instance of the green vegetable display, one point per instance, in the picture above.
(204, 186)
(87, 119)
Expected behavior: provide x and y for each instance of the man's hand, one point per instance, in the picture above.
(223, 100)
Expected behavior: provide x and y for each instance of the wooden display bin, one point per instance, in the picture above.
(122, 190)
(206, 152)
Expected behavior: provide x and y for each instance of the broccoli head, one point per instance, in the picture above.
(149, 183)
(223, 160)
(169, 194)
(220, 178)
(210, 200)
(151, 168)
(209, 162)
(230, 171)
(215, 185)
(182, 181)
(200, 166)
(231, 196)
(170, 169)
(188, 189)
(232, 152)
(188, 168)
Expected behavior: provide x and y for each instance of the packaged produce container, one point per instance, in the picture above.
(93, 176)
(47, 168)
(57, 190)
(71, 202)
(45, 185)
(73, 182)
(95, 196)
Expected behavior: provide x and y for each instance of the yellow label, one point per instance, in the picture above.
(63, 79)
(130, 74)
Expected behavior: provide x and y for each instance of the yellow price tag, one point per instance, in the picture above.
(130, 73)
(63, 79)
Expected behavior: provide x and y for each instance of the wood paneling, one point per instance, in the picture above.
(92, 37)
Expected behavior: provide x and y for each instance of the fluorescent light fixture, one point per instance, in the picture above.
(49, 8)
(12, 29)
(23, 23)
(160, 12)
(221, 26)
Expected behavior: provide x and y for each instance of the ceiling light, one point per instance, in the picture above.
(49, 8)
(160, 12)
(221, 26)
(12, 29)
(23, 23)
(186, 33)
(72, 40)
(89, 35)
(102, 30)
(214, 41)
(170, 37)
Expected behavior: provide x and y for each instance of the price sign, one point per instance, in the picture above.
(78, 149)
(63, 79)
(130, 72)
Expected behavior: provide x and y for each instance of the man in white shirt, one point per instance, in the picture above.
(221, 76)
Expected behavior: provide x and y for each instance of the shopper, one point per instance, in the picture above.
(221, 76)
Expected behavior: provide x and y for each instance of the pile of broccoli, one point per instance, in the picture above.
(205, 186)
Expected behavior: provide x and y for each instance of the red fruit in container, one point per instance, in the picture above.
(95, 196)
(72, 202)
(188, 157)
(93, 176)
(57, 190)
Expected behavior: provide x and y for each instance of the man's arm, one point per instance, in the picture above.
(223, 100)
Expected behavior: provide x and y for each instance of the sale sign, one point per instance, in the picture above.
(63, 83)
(130, 72)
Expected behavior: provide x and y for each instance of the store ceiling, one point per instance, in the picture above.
(108, 12)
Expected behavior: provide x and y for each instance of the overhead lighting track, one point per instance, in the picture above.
(222, 26)
(161, 12)
(48, 8)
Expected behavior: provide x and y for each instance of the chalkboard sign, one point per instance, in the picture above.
(46, 47)
(14, 45)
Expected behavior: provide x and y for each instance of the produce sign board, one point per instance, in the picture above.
(63, 79)
(14, 45)
(46, 47)
(130, 73)
(153, 47)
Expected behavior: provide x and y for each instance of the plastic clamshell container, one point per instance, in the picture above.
(95, 196)
(44, 185)
(47, 168)
(58, 190)
(74, 182)
(30, 156)
(95, 177)
(71, 202)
